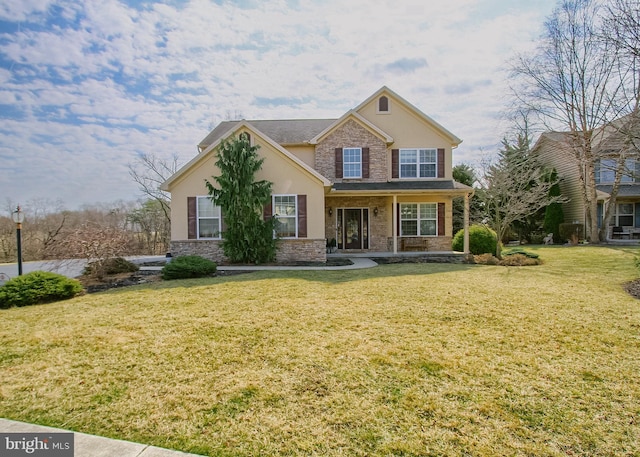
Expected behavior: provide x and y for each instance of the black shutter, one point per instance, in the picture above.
(192, 218)
(338, 162)
(395, 163)
(440, 163)
(267, 211)
(365, 162)
(440, 219)
(302, 216)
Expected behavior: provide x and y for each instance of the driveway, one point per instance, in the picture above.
(70, 267)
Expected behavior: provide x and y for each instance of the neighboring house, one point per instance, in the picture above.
(620, 137)
(378, 179)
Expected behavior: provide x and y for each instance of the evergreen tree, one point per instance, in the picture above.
(553, 215)
(247, 237)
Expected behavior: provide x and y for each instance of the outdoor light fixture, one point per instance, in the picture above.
(375, 211)
(18, 218)
(330, 211)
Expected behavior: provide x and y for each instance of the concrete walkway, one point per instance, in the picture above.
(92, 446)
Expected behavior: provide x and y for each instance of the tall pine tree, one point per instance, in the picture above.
(247, 238)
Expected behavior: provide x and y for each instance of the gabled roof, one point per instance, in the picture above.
(352, 114)
(233, 128)
(384, 90)
(284, 132)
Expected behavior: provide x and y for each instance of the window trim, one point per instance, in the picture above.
(345, 163)
(378, 110)
(418, 163)
(419, 218)
(198, 218)
(277, 216)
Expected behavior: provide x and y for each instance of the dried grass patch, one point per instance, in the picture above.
(409, 359)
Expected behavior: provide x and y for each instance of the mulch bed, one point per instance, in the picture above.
(633, 288)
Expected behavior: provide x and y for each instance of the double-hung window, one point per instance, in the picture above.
(418, 219)
(418, 163)
(606, 171)
(624, 215)
(285, 210)
(352, 163)
(209, 219)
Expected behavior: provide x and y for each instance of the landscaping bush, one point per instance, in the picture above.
(482, 240)
(38, 287)
(571, 232)
(518, 260)
(531, 255)
(112, 266)
(486, 259)
(188, 266)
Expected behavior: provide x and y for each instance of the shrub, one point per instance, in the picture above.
(482, 240)
(110, 266)
(38, 287)
(531, 255)
(571, 232)
(486, 259)
(518, 260)
(188, 266)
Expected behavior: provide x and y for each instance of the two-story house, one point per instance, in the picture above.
(619, 137)
(378, 179)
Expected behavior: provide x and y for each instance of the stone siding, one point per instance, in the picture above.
(352, 134)
(298, 250)
(301, 250)
(436, 243)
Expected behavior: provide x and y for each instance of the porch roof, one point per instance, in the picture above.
(398, 187)
(626, 190)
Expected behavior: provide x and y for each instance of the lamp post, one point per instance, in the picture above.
(18, 218)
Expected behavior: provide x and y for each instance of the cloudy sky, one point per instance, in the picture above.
(86, 86)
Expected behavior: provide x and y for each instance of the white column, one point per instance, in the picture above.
(394, 229)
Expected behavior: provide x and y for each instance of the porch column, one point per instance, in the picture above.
(466, 223)
(394, 229)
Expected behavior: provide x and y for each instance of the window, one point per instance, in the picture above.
(418, 219)
(285, 210)
(208, 219)
(606, 171)
(352, 163)
(623, 216)
(383, 104)
(418, 163)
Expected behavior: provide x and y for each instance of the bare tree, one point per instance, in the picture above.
(575, 82)
(514, 187)
(621, 31)
(149, 172)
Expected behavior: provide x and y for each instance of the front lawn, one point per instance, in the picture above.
(399, 360)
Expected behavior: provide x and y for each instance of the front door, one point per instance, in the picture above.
(353, 228)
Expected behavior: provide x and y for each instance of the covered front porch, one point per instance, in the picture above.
(377, 222)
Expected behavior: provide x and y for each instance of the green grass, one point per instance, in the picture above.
(399, 360)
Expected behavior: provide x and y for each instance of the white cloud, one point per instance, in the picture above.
(104, 81)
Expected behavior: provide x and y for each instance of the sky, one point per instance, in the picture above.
(87, 86)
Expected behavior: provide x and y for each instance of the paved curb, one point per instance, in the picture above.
(94, 446)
